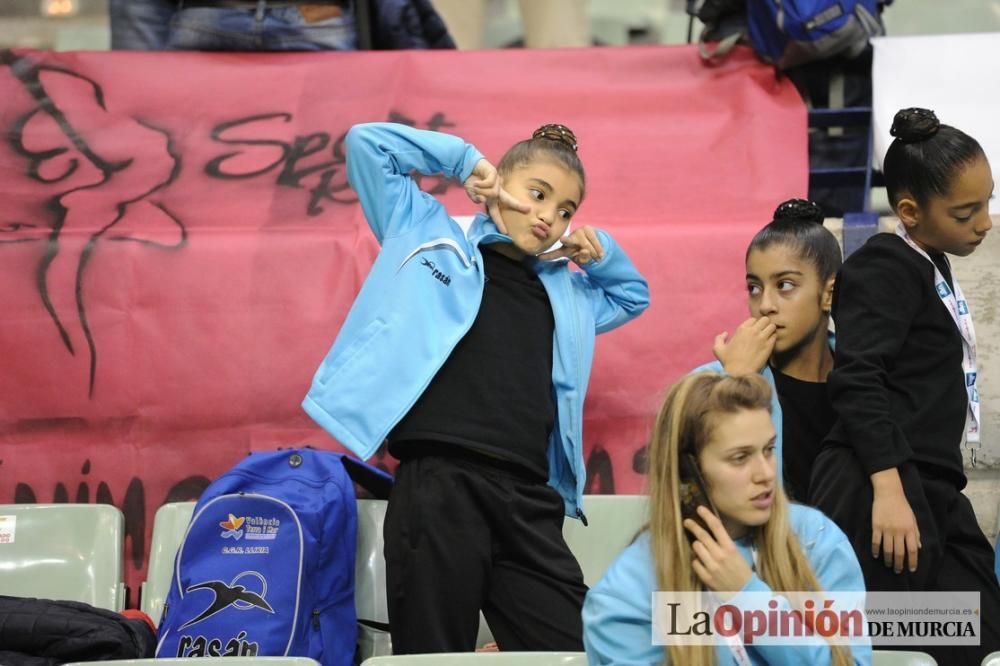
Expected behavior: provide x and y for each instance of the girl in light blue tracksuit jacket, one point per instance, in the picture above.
(755, 546)
(469, 350)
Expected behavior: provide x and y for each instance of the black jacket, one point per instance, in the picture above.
(407, 24)
(39, 632)
(897, 386)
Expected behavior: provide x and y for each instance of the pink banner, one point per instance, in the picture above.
(178, 245)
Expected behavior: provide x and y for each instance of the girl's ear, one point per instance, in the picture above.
(826, 301)
(908, 211)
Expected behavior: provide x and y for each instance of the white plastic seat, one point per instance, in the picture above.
(206, 661)
(893, 658)
(70, 552)
(369, 581)
(169, 526)
(613, 521)
(482, 659)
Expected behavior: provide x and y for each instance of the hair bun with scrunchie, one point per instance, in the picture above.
(558, 133)
(914, 124)
(798, 210)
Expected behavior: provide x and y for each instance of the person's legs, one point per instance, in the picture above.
(309, 28)
(466, 20)
(140, 25)
(954, 554)
(437, 556)
(555, 23)
(842, 490)
(967, 565)
(215, 29)
(536, 589)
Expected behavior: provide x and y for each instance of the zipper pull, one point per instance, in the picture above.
(583, 518)
(315, 619)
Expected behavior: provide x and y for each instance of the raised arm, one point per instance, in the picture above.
(380, 157)
(615, 289)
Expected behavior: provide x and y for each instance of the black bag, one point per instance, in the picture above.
(725, 26)
(40, 632)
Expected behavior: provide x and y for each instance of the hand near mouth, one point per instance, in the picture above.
(718, 563)
(747, 351)
(582, 246)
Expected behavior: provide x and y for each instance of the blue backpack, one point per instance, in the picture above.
(791, 32)
(266, 567)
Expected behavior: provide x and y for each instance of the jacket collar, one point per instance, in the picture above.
(484, 231)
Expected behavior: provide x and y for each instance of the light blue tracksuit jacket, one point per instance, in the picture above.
(424, 291)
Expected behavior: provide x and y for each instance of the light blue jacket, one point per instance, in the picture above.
(996, 548)
(424, 291)
(617, 624)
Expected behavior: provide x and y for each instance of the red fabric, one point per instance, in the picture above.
(169, 286)
(134, 614)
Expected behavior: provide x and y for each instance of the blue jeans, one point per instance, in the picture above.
(269, 27)
(141, 25)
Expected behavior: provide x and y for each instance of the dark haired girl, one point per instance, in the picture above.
(791, 265)
(904, 382)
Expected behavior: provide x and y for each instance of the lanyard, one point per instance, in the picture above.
(958, 308)
(734, 642)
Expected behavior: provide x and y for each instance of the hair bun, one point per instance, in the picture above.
(799, 210)
(558, 133)
(914, 124)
